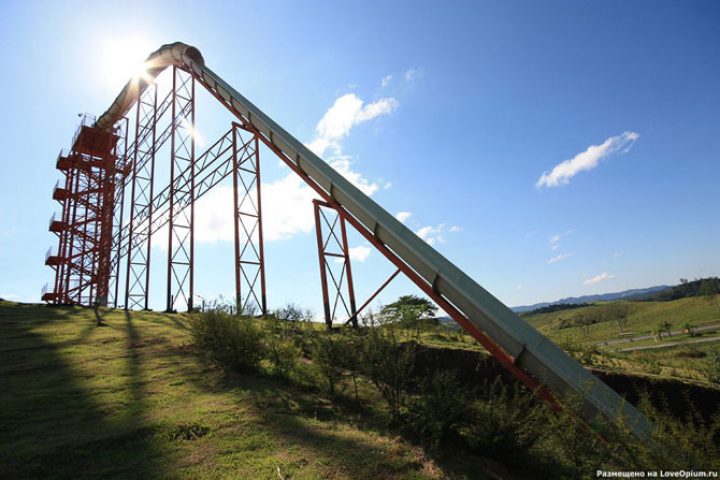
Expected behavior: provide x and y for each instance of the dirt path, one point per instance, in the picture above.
(669, 344)
(616, 341)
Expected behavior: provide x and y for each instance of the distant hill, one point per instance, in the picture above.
(695, 288)
(634, 294)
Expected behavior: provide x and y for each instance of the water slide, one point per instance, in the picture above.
(531, 357)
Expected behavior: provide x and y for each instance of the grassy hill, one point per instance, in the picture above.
(594, 337)
(130, 400)
(642, 319)
(135, 398)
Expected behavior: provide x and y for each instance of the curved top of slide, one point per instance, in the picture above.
(176, 53)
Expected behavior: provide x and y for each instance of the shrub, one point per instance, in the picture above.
(293, 313)
(506, 422)
(675, 444)
(440, 410)
(713, 368)
(577, 446)
(281, 350)
(234, 343)
(328, 354)
(389, 365)
(351, 359)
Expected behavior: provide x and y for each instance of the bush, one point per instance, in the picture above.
(281, 350)
(389, 365)
(293, 313)
(441, 410)
(233, 343)
(506, 422)
(713, 368)
(352, 344)
(329, 355)
(677, 444)
(576, 445)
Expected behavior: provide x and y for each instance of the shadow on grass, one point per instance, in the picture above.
(53, 425)
(347, 437)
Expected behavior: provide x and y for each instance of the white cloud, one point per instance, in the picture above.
(560, 258)
(386, 80)
(554, 241)
(214, 216)
(587, 160)
(347, 111)
(287, 210)
(342, 165)
(359, 253)
(412, 74)
(598, 278)
(10, 296)
(403, 216)
(319, 145)
(432, 235)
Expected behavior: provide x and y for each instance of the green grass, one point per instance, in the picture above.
(643, 319)
(133, 400)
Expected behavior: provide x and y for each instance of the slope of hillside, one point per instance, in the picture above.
(643, 317)
(129, 400)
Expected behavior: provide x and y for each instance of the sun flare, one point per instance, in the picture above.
(124, 59)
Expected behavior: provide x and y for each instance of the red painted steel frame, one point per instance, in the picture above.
(181, 232)
(345, 275)
(247, 222)
(137, 279)
(122, 126)
(81, 264)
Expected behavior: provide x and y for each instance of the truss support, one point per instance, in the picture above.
(118, 232)
(334, 257)
(182, 191)
(250, 294)
(137, 278)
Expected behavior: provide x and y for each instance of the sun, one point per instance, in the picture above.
(122, 59)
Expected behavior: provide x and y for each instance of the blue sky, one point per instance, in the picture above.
(459, 114)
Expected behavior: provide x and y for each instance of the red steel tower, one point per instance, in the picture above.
(84, 230)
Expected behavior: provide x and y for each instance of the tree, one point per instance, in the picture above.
(689, 328)
(664, 327)
(617, 312)
(709, 288)
(293, 313)
(408, 311)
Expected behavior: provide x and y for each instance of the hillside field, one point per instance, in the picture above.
(135, 398)
(593, 344)
(131, 400)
